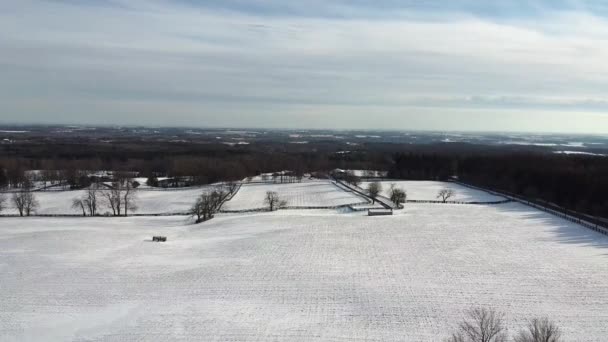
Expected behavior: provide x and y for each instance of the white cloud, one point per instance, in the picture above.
(76, 62)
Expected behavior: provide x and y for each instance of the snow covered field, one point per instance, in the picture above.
(427, 190)
(307, 193)
(148, 201)
(158, 201)
(298, 275)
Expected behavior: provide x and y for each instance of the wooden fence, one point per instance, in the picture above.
(380, 200)
(459, 202)
(586, 221)
(253, 210)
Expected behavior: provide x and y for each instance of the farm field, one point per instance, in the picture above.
(299, 275)
(148, 201)
(308, 193)
(427, 191)
(159, 201)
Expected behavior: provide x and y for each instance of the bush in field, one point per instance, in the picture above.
(374, 190)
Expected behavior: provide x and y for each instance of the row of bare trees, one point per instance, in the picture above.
(397, 195)
(210, 201)
(24, 200)
(487, 325)
(120, 198)
(207, 204)
(87, 203)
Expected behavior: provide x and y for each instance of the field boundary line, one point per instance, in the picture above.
(564, 215)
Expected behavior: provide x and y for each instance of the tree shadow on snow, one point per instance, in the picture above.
(564, 231)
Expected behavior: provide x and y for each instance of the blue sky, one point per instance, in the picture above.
(386, 64)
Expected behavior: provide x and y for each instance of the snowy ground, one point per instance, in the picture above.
(159, 201)
(298, 275)
(427, 190)
(307, 193)
(148, 201)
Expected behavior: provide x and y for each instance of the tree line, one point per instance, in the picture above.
(575, 182)
(187, 170)
(119, 198)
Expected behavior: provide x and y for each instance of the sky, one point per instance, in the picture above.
(464, 65)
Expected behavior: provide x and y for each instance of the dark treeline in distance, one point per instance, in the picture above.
(576, 182)
(199, 163)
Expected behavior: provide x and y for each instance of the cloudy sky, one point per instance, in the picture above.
(519, 65)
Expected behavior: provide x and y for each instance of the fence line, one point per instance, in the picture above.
(341, 206)
(459, 202)
(99, 216)
(562, 213)
(364, 195)
(388, 204)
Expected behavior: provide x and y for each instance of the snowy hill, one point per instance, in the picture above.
(298, 275)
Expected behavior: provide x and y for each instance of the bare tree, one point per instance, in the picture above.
(87, 203)
(398, 195)
(539, 330)
(374, 189)
(25, 201)
(120, 198)
(78, 204)
(207, 205)
(113, 200)
(273, 201)
(480, 325)
(445, 194)
(128, 193)
(90, 200)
